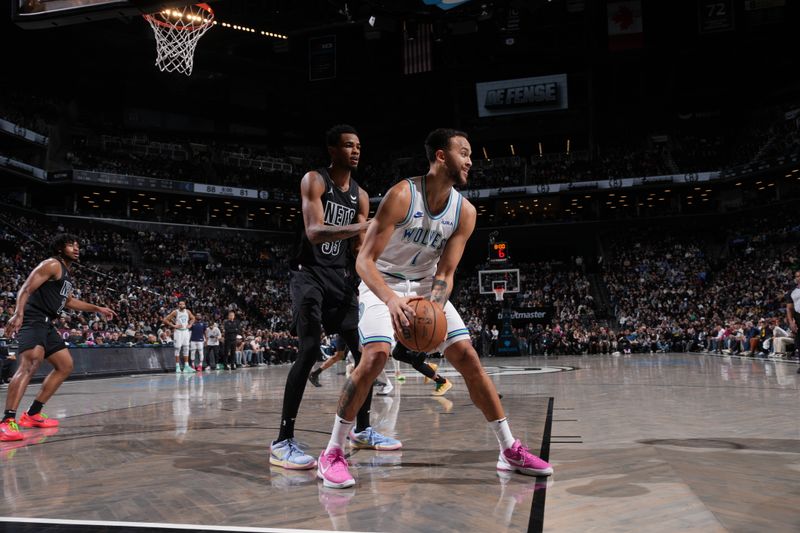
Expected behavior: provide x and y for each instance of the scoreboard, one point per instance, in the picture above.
(498, 252)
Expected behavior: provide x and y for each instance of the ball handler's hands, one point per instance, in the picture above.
(401, 312)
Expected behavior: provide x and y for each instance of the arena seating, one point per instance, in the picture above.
(234, 163)
(250, 278)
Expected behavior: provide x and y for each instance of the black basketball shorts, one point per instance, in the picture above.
(323, 296)
(32, 335)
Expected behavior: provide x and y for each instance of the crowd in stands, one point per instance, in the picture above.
(668, 290)
(29, 110)
(559, 286)
(379, 171)
(143, 294)
(772, 133)
(205, 167)
(630, 161)
(784, 140)
(180, 248)
(694, 153)
(683, 292)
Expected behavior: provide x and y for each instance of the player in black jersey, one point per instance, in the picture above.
(323, 286)
(46, 292)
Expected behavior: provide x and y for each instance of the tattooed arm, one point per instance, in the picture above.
(439, 292)
(453, 250)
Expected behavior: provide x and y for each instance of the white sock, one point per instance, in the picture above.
(396, 366)
(503, 432)
(341, 428)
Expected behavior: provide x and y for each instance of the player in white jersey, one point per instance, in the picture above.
(181, 319)
(412, 249)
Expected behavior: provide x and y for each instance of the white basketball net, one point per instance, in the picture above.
(177, 32)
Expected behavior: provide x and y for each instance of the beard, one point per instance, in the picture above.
(455, 176)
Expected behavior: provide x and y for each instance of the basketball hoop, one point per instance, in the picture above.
(177, 32)
(498, 293)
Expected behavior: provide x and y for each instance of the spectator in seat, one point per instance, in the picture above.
(8, 363)
(782, 340)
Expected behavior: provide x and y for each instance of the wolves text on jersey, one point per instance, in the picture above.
(424, 237)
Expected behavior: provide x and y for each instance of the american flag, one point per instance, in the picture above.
(417, 56)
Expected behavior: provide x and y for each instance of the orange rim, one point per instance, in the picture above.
(191, 27)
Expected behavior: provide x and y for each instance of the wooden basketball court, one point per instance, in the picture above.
(639, 443)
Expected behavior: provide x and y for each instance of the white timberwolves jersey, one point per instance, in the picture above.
(182, 319)
(417, 243)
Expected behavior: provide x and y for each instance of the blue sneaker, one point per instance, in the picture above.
(369, 439)
(287, 454)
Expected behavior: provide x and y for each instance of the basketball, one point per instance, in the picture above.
(427, 329)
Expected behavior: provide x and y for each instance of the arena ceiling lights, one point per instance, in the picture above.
(248, 29)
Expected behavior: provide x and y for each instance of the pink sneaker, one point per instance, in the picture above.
(519, 458)
(332, 469)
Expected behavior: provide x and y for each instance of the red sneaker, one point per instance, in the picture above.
(37, 421)
(9, 430)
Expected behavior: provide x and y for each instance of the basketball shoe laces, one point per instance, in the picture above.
(370, 435)
(335, 458)
(12, 424)
(294, 449)
(523, 452)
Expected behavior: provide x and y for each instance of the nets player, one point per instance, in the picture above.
(412, 248)
(181, 321)
(335, 213)
(46, 292)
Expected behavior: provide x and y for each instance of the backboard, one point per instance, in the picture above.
(488, 280)
(39, 14)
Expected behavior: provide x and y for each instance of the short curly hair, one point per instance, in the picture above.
(58, 242)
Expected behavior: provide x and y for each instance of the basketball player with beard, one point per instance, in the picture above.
(412, 249)
(322, 287)
(181, 321)
(40, 300)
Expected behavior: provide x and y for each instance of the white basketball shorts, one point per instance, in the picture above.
(180, 338)
(375, 323)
